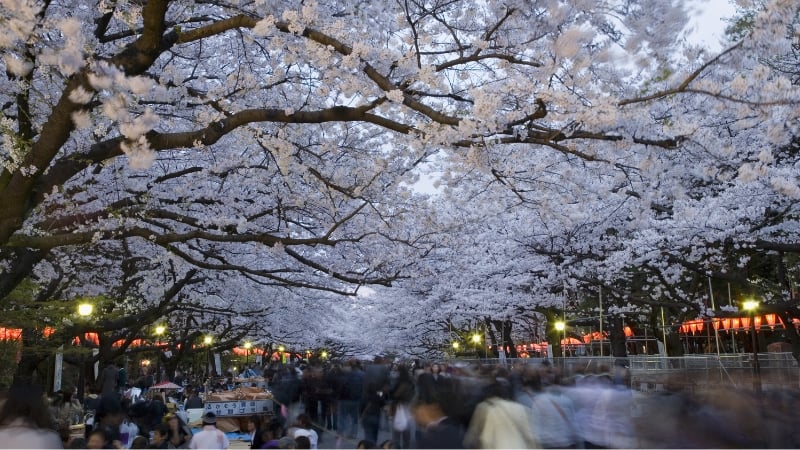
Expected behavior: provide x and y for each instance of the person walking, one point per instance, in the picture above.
(209, 437)
(401, 396)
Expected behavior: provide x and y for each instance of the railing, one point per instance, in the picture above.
(652, 372)
(649, 362)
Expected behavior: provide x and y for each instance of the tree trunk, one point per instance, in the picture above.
(491, 337)
(32, 356)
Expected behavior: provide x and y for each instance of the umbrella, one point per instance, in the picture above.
(165, 385)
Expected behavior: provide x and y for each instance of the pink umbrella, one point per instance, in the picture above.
(165, 385)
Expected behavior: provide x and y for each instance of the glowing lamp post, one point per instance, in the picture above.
(247, 347)
(207, 342)
(159, 331)
(476, 339)
(751, 306)
(84, 311)
(561, 327)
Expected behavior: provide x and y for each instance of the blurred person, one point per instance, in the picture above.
(372, 406)
(286, 442)
(109, 417)
(401, 395)
(499, 422)
(128, 430)
(312, 388)
(179, 433)
(67, 408)
(25, 420)
(303, 427)
(552, 416)
(254, 429)
(209, 436)
(156, 408)
(161, 437)
(193, 401)
(77, 442)
(434, 409)
(302, 442)
(100, 439)
(603, 411)
(139, 442)
(350, 392)
(365, 444)
(108, 382)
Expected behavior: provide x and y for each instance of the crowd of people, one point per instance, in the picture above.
(351, 404)
(527, 405)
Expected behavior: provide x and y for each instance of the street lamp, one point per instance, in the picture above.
(476, 339)
(247, 347)
(455, 347)
(751, 306)
(84, 311)
(562, 327)
(159, 330)
(207, 341)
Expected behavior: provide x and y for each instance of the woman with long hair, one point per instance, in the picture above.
(25, 419)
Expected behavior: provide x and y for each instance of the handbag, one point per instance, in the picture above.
(401, 418)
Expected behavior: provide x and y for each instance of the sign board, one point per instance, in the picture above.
(232, 408)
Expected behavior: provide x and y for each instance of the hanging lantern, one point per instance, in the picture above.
(745, 321)
(757, 323)
(700, 325)
(628, 332)
(715, 323)
(770, 321)
(726, 324)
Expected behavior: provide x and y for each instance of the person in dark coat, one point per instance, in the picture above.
(435, 411)
(374, 401)
(109, 380)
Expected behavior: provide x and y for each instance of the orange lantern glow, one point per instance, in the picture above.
(628, 332)
(770, 321)
(745, 321)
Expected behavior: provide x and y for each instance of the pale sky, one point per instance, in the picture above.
(707, 25)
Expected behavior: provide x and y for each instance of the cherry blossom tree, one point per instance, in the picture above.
(279, 140)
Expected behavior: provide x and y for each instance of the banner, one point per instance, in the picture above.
(95, 352)
(217, 364)
(58, 369)
(234, 408)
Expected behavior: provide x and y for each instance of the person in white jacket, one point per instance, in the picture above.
(499, 422)
(209, 437)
